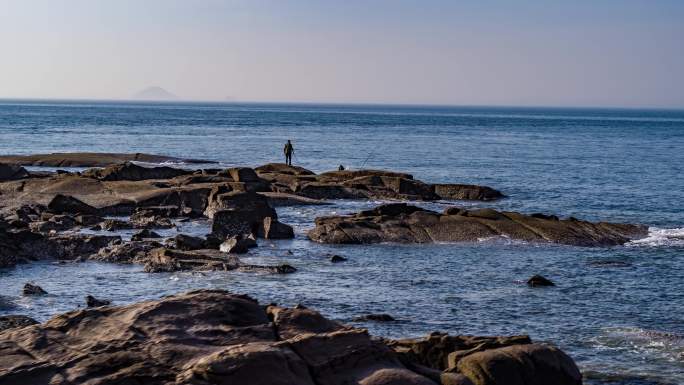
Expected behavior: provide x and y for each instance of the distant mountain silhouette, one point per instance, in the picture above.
(155, 93)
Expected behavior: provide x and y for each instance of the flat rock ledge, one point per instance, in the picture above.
(91, 159)
(403, 223)
(214, 337)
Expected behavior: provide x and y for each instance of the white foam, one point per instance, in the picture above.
(658, 237)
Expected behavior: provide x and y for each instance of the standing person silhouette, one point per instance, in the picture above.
(288, 150)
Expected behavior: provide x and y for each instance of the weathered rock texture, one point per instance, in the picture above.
(213, 337)
(410, 224)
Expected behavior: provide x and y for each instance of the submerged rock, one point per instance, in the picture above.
(94, 302)
(538, 280)
(375, 318)
(213, 337)
(337, 259)
(409, 224)
(31, 289)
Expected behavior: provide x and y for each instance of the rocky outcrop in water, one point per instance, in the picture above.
(409, 224)
(91, 159)
(213, 337)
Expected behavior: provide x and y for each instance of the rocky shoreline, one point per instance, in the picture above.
(214, 337)
(43, 215)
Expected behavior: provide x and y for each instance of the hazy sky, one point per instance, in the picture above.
(579, 53)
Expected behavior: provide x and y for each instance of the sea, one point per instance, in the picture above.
(617, 311)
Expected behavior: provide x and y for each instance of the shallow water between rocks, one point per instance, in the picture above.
(619, 312)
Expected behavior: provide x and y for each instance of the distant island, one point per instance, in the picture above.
(154, 93)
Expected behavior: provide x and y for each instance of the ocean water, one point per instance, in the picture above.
(619, 312)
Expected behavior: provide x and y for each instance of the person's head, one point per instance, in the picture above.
(288, 140)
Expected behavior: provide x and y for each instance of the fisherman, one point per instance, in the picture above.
(341, 168)
(288, 150)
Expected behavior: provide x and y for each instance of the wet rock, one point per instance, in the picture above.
(188, 242)
(132, 172)
(31, 289)
(113, 225)
(94, 302)
(278, 269)
(126, 252)
(538, 280)
(211, 336)
(88, 219)
(79, 246)
(375, 318)
(272, 229)
(466, 192)
(65, 204)
(144, 234)
(238, 244)
(10, 171)
(408, 224)
(282, 168)
(15, 321)
(142, 220)
(170, 260)
(337, 259)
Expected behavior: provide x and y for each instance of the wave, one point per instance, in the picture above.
(658, 237)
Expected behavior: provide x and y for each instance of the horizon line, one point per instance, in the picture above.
(320, 103)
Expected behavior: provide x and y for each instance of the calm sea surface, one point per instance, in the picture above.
(623, 325)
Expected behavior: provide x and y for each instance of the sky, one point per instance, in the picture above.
(622, 53)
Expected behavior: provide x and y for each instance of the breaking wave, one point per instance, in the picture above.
(658, 237)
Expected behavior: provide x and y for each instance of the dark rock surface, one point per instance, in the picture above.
(90, 159)
(409, 224)
(337, 259)
(132, 172)
(213, 337)
(375, 318)
(10, 171)
(31, 289)
(15, 321)
(144, 234)
(94, 302)
(538, 280)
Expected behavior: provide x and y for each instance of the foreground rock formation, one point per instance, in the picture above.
(213, 337)
(410, 224)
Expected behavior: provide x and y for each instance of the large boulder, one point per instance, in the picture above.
(10, 171)
(408, 224)
(214, 337)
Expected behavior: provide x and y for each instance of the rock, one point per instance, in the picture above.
(408, 224)
(9, 171)
(214, 337)
(144, 234)
(133, 172)
(538, 280)
(244, 220)
(15, 321)
(531, 364)
(140, 220)
(441, 351)
(375, 318)
(170, 260)
(278, 269)
(91, 159)
(65, 204)
(272, 229)
(31, 289)
(113, 225)
(237, 244)
(466, 192)
(127, 252)
(610, 263)
(78, 246)
(337, 259)
(282, 168)
(187, 242)
(243, 174)
(94, 302)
